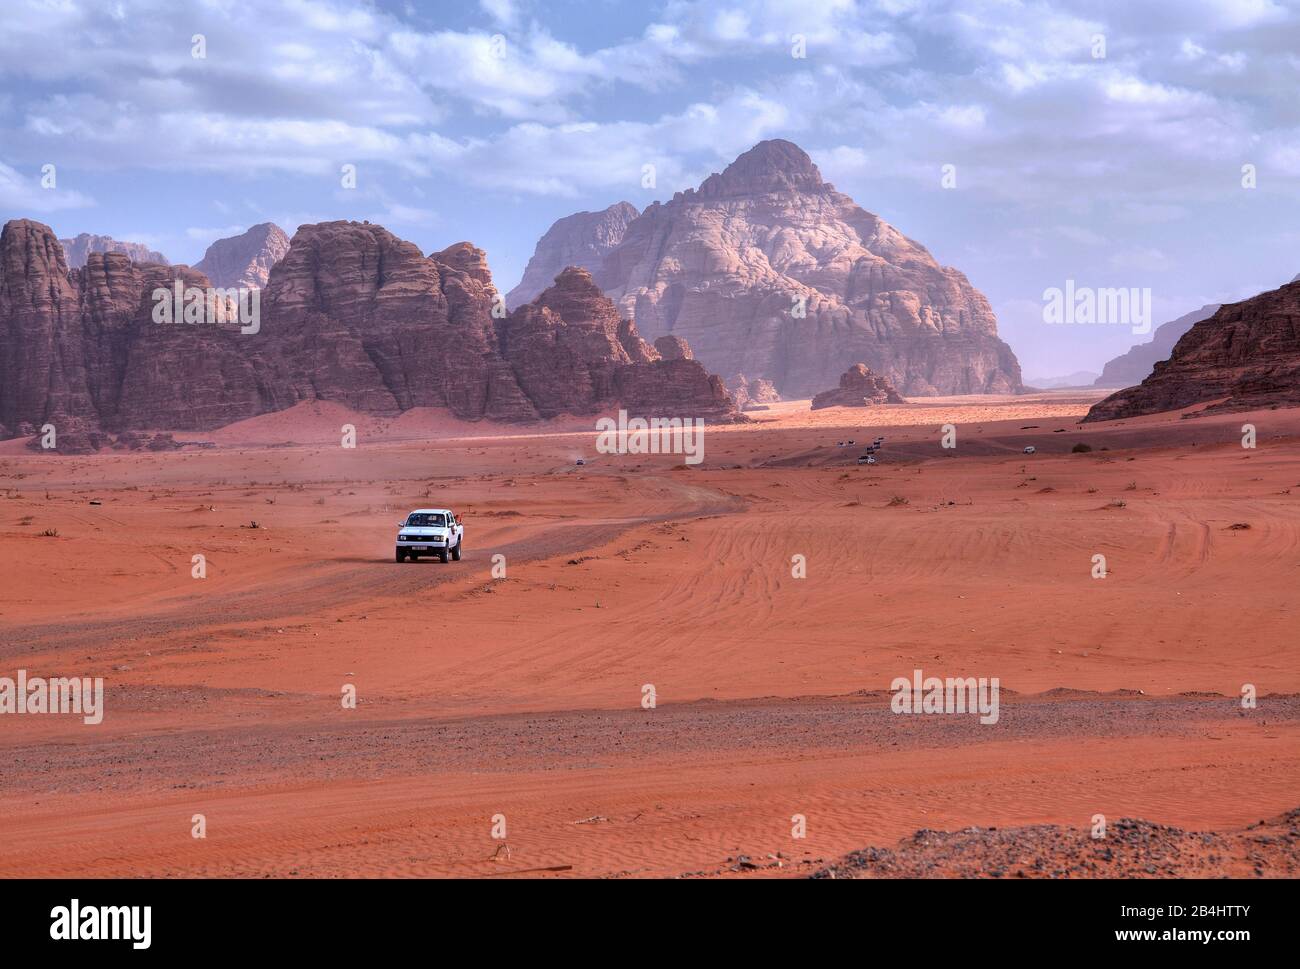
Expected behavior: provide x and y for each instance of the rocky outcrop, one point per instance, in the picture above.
(1134, 366)
(79, 249)
(580, 240)
(767, 270)
(750, 392)
(351, 314)
(674, 348)
(246, 259)
(1245, 356)
(570, 350)
(859, 387)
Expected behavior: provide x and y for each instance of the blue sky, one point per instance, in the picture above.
(487, 121)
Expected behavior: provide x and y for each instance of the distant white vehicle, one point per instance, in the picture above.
(866, 459)
(430, 531)
(1031, 449)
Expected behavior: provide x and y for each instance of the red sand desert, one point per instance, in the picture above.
(521, 697)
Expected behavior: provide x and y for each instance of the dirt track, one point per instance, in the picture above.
(522, 696)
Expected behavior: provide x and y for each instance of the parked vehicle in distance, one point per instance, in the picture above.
(430, 531)
(866, 459)
(1030, 449)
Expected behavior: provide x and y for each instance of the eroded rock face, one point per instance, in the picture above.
(77, 250)
(1134, 366)
(581, 240)
(79, 350)
(767, 270)
(1245, 356)
(246, 259)
(570, 351)
(859, 387)
(350, 314)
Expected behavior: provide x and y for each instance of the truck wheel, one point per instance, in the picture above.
(401, 555)
(455, 552)
(442, 556)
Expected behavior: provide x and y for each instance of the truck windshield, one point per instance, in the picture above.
(426, 521)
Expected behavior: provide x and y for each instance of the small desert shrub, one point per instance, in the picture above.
(897, 500)
(1081, 448)
(50, 533)
(1118, 503)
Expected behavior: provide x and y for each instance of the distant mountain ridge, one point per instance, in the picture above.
(1133, 366)
(79, 248)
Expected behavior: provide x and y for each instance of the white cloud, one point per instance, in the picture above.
(24, 194)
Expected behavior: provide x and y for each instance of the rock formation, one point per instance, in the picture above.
(1133, 367)
(246, 259)
(573, 330)
(1245, 356)
(580, 240)
(767, 270)
(350, 314)
(78, 249)
(674, 348)
(859, 387)
(750, 393)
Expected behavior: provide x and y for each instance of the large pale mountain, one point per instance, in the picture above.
(582, 240)
(78, 249)
(767, 270)
(245, 260)
(350, 314)
(1245, 356)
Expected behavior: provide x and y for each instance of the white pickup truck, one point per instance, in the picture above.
(430, 531)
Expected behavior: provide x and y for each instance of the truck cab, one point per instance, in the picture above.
(430, 531)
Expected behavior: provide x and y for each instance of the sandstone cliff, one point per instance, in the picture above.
(767, 270)
(350, 314)
(1245, 356)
